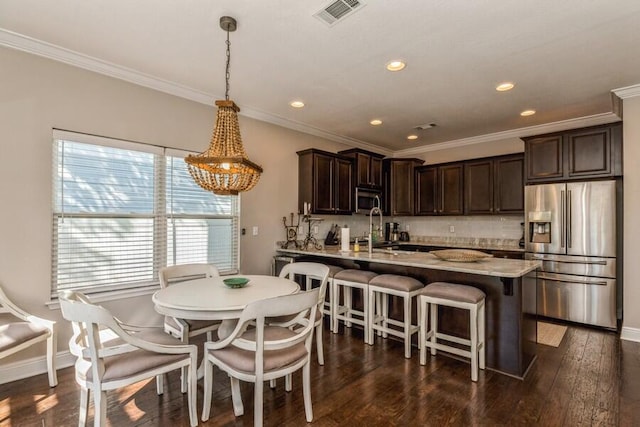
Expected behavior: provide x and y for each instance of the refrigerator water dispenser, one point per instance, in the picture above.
(540, 227)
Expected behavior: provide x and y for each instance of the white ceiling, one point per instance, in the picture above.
(565, 57)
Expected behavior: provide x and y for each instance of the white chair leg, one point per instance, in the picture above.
(334, 307)
(236, 397)
(191, 395)
(378, 312)
(319, 344)
(422, 331)
(366, 318)
(385, 315)
(208, 388)
(473, 329)
(100, 408)
(481, 339)
(348, 293)
(434, 327)
(183, 372)
(306, 391)
(160, 384)
(52, 349)
(84, 407)
(369, 332)
(272, 383)
(407, 326)
(257, 403)
(288, 382)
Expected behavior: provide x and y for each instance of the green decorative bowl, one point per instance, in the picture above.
(236, 282)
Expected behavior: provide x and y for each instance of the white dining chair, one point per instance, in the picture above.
(25, 331)
(264, 352)
(111, 355)
(312, 271)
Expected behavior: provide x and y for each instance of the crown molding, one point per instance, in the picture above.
(27, 44)
(597, 119)
(47, 50)
(627, 92)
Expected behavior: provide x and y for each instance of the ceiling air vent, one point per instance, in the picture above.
(338, 10)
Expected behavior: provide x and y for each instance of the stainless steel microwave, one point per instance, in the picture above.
(366, 199)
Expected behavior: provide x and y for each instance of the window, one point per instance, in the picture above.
(122, 210)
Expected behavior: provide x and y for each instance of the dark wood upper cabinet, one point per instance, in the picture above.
(398, 197)
(508, 181)
(325, 181)
(368, 167)
(439, 189)
(494, 185)
(592, 152)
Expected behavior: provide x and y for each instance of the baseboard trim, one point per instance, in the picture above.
(630, 334)
(35, 366)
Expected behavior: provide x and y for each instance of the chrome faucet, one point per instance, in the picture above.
(374, 210)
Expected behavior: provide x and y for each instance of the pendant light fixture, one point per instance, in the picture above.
(224, 167)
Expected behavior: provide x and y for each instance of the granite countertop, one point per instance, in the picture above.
(498, 267)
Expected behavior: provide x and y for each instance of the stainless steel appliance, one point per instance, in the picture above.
(571, 228)
(366, 200)
(391, 233)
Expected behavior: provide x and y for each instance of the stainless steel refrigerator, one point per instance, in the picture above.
(571, 228)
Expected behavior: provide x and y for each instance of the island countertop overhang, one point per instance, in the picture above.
(497, 267)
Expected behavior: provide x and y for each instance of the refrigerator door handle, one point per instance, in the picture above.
(569, 221)
(562, 219)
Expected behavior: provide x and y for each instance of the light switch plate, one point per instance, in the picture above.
(255, 230)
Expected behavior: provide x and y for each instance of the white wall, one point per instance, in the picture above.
(38, 94)
(631, 275)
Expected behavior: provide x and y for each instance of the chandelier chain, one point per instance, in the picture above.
(228, 73)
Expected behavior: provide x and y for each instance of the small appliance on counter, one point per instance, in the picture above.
(404, 236)
(391, 231)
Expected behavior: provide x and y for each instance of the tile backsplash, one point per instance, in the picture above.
(448, 227)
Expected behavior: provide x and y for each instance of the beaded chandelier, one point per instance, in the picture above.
(224, 167)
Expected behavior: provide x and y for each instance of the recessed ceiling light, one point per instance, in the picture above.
(528, 113)
(297, 104)
(375, 122)
(503, 87)
(412, 137)
(395, 65)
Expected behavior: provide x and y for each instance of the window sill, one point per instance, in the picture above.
(53, 304)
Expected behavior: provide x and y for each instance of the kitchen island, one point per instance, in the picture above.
(508, 284)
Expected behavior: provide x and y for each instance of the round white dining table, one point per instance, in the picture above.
(211, 299)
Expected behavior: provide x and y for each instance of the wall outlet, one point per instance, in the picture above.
(255, 230)
(452, 229)
(315, 229)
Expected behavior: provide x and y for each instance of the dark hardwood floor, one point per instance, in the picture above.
(593, 378)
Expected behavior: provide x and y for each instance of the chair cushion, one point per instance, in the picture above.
(333, 269)
(138, 361)
(244, 360)
(453, 292)
(358, 276)
(16, 333)
(396, 282)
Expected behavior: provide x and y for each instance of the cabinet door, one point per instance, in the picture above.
(402, 188)
(342, 189)
(426, 191)
(544, 158)
(451, 190)
(323, 180)
(589, 152)
(478, 187)
(375, 172)
(363, 162)
(509, 184)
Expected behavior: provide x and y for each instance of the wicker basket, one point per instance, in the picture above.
(460, 255)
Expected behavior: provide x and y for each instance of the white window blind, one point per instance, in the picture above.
(122, 210)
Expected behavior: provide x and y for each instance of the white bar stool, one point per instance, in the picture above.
(326, 308)
(350, 279)
(381, 287)
(453, 295)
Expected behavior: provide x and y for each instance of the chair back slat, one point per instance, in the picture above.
(312, 271)
(182, 272)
